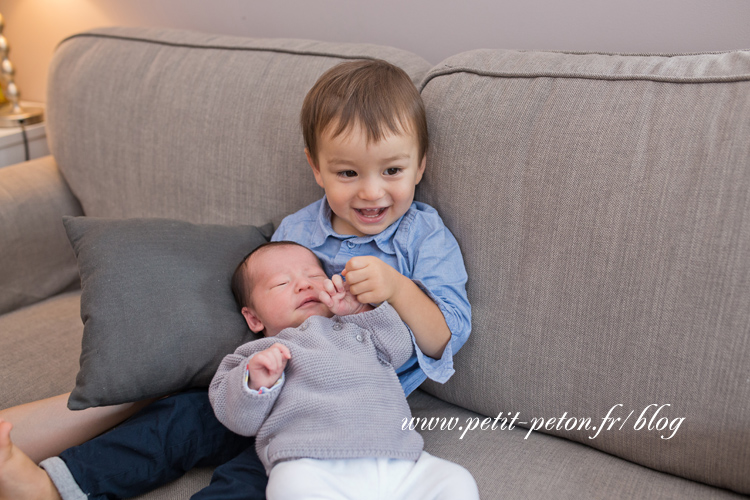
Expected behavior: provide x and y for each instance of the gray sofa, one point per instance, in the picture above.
(602, 203)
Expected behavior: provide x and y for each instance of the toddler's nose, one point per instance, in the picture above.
(371, 191)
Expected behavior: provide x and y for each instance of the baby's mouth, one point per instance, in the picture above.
(371, 213)
(311, 300)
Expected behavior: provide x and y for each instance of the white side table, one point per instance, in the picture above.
(12, 148)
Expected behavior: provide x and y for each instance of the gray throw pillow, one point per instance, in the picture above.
(156, 304)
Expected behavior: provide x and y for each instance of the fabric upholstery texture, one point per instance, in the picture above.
(183, 111)
(511, 465)
(36, 261)
(156, 304)
(601, 202)
(39, 349)
(185, 487)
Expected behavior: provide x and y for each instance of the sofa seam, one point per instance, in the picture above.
(214, 47)
(640, 54)
(582, 76)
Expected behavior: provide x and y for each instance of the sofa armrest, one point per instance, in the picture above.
(37, 260)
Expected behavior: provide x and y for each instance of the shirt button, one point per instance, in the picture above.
(350, 244)
(337, 326)
(359, 338)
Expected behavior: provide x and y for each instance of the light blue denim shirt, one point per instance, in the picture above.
(421, 248)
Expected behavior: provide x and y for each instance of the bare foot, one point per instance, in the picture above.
(20, 478)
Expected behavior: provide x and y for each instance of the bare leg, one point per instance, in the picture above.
(47, 427)
(20, 478)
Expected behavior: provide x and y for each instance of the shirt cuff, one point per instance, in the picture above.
(439, 370)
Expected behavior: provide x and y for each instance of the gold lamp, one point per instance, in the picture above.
(11, 113)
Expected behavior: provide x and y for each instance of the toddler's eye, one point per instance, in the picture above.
(392, 171)
(347, 173)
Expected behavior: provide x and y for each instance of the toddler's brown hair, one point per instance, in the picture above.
(374, 94)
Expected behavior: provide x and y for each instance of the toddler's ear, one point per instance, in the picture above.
(421, 168)
(315, 168)
(253, 321)
(311, 160)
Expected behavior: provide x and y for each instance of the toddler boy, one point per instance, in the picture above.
(366, 140)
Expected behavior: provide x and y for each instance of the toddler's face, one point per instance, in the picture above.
(287, 281)
(368, 186)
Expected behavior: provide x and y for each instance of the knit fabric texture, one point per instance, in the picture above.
(340, 399)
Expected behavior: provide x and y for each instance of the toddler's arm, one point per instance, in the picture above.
(374, 281)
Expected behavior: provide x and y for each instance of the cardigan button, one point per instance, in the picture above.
(360, 338)
(337, 326)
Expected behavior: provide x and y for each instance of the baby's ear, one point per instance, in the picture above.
(253, 321)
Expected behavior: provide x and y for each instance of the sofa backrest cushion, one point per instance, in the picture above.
(602, 203)
(164, 123)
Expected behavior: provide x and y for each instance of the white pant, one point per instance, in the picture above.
(371, 479)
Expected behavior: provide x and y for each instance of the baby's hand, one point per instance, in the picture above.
(266, 367)
(338, 298)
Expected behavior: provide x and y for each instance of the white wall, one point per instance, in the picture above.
(434, 29)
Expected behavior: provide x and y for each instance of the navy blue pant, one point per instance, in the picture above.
(162, 442)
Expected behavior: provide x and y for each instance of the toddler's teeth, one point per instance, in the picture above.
(370, 212)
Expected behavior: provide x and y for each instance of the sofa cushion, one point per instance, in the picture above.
(540, 466)
(601, 202)
(190, 126)
(506, 464)
(39, 350)
(157, 306)
(513, 464)
(37, 261)
(184, 487)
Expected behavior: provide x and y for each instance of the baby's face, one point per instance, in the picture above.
(287, 281)
(369, 186)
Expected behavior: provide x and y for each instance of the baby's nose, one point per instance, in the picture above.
(304, 284)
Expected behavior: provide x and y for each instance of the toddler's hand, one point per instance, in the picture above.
(371, 280)
(266, 367)
(338, 298)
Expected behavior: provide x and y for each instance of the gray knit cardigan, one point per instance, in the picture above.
(340, 398)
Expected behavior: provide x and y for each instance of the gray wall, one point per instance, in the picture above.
(434, 29)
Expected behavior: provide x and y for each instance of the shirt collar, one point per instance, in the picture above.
(323, 230)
